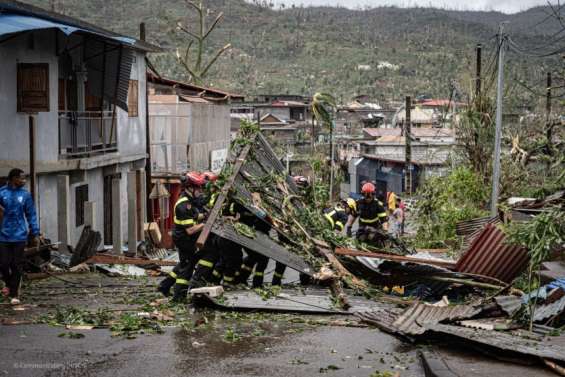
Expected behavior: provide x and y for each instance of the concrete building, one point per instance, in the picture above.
(382, 159)
(72, 99)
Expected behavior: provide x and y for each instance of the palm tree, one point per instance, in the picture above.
(324, 107)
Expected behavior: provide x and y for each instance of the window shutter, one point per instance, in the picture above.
(33, 87)
(133, 98)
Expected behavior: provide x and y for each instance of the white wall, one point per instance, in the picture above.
(131, 130)
(14, 143)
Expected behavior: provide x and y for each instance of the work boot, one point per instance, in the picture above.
(180, 293)
(166, 285)
(258, 278)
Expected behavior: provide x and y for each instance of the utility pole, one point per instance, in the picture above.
(498, 136)
(408, 146)
(148, 173)
(478, 78)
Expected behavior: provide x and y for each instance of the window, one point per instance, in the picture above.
(81, 197)
(33, 87)
(133, 98)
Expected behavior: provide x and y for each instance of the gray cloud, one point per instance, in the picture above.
(507, 6)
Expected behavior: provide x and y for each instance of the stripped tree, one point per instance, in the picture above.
(193, 62)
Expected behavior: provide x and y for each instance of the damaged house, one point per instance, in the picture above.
(189, 130)
(72, 99)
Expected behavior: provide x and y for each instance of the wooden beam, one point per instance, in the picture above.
(340, 269)
(397, 258)
(223, 195)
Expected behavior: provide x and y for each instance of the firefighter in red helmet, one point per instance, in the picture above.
(187, 227)
(371, 214)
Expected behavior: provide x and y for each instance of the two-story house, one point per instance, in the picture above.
(73, 115)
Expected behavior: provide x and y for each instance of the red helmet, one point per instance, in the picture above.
(210, 176)
(193, 179)
(368, 188)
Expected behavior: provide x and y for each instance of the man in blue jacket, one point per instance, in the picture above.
(19, 219)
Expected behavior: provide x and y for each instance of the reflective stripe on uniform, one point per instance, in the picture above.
(216, 273)
(205, 263)
(340, 225)
(247, 268)
(173, 275)
(176, 220)
(328, 217)
(277, 275)
(228, 278)
(212, 200)
(184, 222)
(182, 282)
(259, 273)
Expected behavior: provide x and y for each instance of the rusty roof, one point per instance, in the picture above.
(490, 255)
(202, 91)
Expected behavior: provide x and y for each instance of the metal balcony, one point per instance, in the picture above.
(88, 133)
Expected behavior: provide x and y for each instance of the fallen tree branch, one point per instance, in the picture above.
(463, 282)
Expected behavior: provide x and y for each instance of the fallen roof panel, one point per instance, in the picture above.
(509, 304)
(263, 245)
(413, 320)
(545, 348)
(551, 310)
(490, 255)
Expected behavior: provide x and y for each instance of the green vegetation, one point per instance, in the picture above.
(459, 196)
(540, 236)
(300, 50)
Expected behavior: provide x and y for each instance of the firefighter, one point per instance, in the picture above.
(337, 216)
(187, 226)
(371, 215)
(255, 263)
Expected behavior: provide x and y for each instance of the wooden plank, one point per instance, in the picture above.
(392, 257)
(340, 269)
(216, 211)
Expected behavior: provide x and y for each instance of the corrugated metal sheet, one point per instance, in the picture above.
(505, 341)
(547, 311)
(413, 320)
(263, 245)
(490, 255)
(509, 304)
(381, 318)
(464, 228)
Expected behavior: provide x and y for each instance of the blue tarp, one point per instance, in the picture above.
(13, 23)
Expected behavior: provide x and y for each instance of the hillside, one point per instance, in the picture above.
(302, 50)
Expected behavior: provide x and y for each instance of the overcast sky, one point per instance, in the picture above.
(508, 6)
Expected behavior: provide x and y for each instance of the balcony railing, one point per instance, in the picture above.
(87, 133)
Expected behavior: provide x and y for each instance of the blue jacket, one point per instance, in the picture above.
(19, 215)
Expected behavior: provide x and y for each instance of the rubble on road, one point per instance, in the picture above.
(417, 295)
